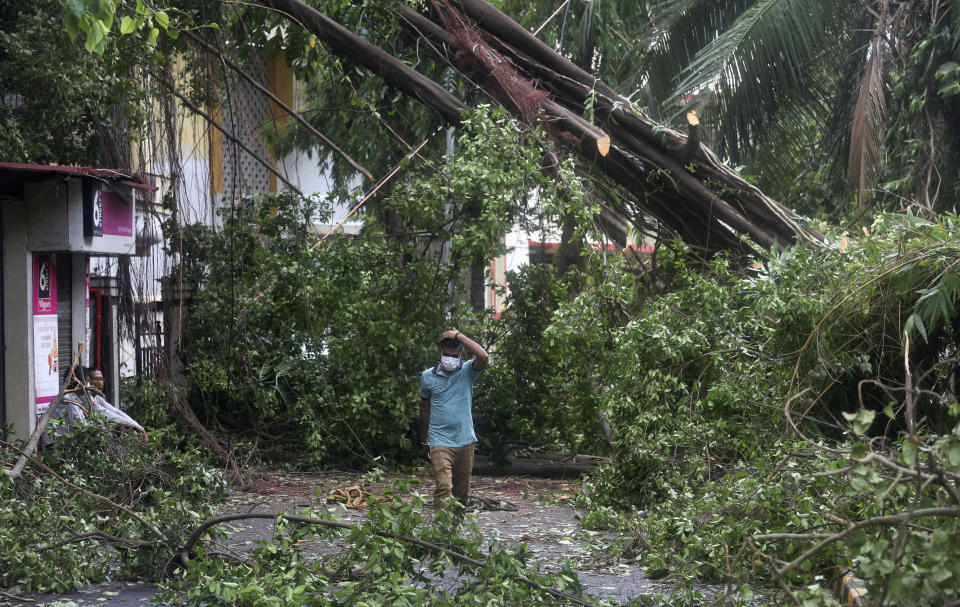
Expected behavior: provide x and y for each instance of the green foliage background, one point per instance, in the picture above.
(330, 334)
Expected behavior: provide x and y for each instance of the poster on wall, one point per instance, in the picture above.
(86, 341)
(46, 350)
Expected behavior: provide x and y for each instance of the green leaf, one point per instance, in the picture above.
(127, 25)
(95, 39)
(885, 566)
(106, 9)
(949, 90)
(162, 18)
(949, 70)
(152, 38)
(75, 7)
(953, 454)
(72, 25)
(914, 322)
(941, 574)
(909, 453)
(861, 419)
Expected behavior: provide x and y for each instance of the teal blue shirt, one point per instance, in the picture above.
(451, 405)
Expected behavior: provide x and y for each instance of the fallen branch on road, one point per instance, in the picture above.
(184, 554)
(96, 496)
(99, 536)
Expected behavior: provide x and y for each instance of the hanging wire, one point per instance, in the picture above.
(566, 3)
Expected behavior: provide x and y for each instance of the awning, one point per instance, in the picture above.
(116, 175)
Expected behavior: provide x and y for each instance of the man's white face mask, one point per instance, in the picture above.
(450, 363)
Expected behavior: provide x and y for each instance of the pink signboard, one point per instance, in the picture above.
(46, 350)
(117, 215)
(86, 341)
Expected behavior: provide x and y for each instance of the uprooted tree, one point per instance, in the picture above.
(661, 178)
(665, 174)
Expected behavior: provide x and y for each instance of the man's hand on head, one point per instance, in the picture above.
(451, 334)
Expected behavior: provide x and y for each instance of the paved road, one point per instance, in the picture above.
(545, 521)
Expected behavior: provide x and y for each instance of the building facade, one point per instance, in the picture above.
(55, 223)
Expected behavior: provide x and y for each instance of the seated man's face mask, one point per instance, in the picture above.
(98, 384)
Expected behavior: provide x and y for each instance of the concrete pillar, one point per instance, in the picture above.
(20, 400)
(78, 307)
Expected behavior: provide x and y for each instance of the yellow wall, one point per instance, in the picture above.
(280, 82)
(216, 154)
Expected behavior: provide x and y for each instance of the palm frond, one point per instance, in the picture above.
(588, 32)
(868, 119)
(678, 30)
(955, 27)
(777, 57)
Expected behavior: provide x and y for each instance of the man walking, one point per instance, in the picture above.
(446, 416)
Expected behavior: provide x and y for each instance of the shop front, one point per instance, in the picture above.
(54, 219)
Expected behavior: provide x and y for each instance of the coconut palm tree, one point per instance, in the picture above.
(790, 84)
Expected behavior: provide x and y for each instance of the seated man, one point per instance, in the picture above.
(83, 399)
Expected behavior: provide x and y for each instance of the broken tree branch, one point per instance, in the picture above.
(86, 492)
(693, 137)
(183, 408)
(579, 84)
(44, 419)
(709, 206)
(183, 555)
(392, 70)
(870, 522)
(99, 536)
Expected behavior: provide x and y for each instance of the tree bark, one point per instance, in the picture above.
(395, 72)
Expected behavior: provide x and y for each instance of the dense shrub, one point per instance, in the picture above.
(43, 519)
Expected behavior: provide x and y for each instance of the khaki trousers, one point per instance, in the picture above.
(452, 467)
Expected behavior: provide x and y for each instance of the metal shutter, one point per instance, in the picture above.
(64, 265)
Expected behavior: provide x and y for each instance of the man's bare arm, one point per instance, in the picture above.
(425, 427)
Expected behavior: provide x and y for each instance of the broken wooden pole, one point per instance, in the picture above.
(693, 137)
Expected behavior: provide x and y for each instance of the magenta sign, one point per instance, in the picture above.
(44, 284)
(46, 349)
(117, 215)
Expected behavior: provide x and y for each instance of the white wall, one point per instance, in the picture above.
(303, 171)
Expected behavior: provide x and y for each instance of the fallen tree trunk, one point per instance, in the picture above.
(753, 213)
(679, 182)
